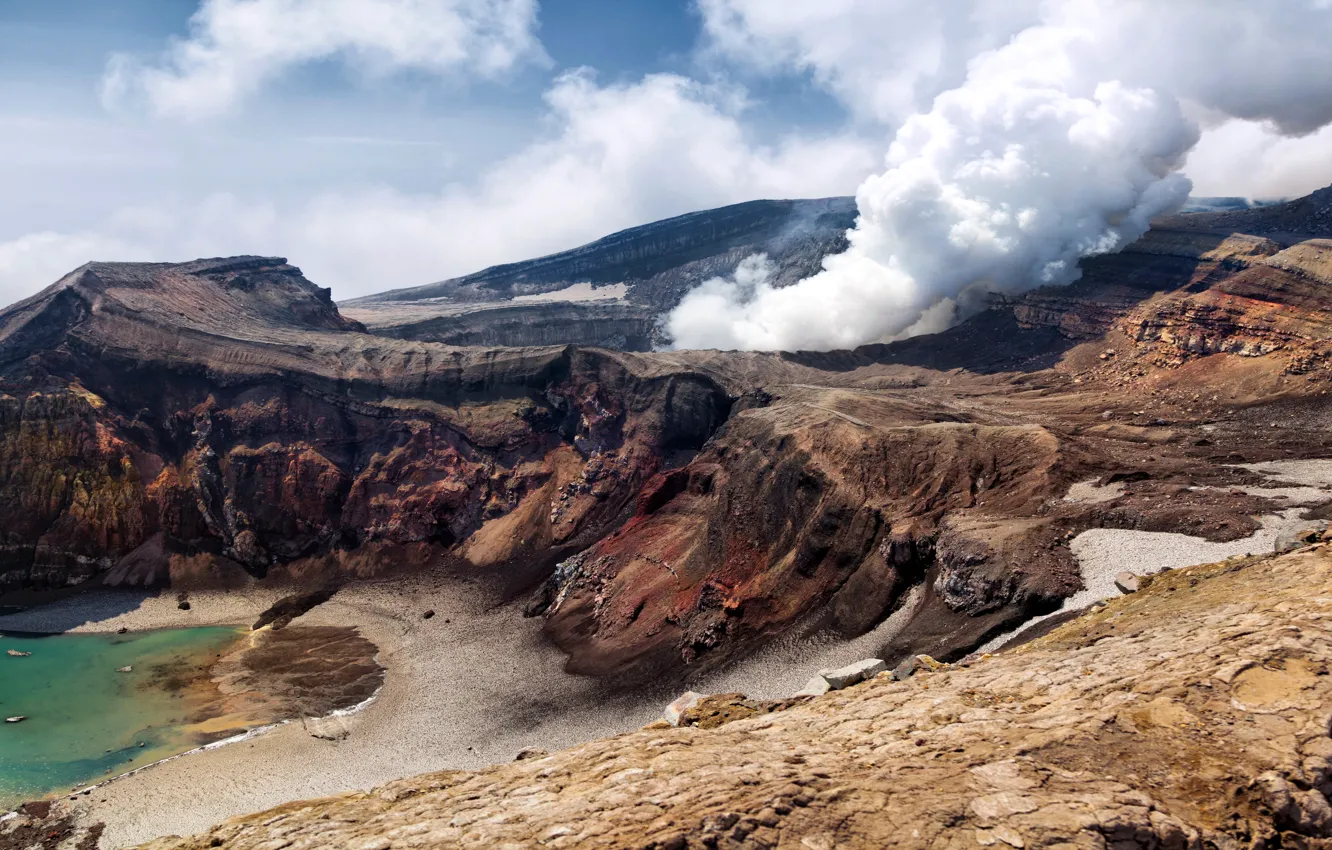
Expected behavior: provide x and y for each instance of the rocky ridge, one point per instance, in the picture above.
(655, 265)
(221, 423)
(663, 260)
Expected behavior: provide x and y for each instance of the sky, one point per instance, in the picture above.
(388, 143)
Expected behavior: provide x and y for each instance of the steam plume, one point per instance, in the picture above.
(1048, 152)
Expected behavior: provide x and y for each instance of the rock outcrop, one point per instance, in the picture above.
(1193, 714)
(208, 420)
(623, 327)
(221, 422)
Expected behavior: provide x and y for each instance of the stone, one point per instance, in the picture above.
(844, 677)
(427, 615)
(330, 728)
(530, 753)
(903, 671)
(1306, 536)
(14, 653)
(183, 605)
(1126, 582)
(682, 703)
(815, 687)
(929, 663)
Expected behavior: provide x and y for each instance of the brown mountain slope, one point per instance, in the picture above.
(220, 423)
(1193, 714)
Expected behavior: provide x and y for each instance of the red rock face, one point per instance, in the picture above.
(785, 512)
(291, 435)
(219, 422)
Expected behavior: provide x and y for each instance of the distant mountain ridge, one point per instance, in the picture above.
(665, 259)
(658, 263)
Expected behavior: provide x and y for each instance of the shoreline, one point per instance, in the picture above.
(467, 689)
(242, 737)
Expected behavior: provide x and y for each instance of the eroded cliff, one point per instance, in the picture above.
(221, 422)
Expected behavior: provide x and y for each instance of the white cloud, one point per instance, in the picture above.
(1250, 159)
(1060, 143)
(235, 46)
(888, 58)
(614, 156)
(1005, 184)
(884, 59)
(34, 261)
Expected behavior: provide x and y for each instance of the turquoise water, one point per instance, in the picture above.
(85, 719)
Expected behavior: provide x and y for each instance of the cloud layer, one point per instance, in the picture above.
(409, 186)
(614, 155)
(235, 46)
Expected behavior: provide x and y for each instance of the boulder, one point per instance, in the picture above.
(330, 728)
(530, 753)
(844, 677)
(1298, 539)
(1127, 582)
(816, 687)
(682, 703)
(916, 664)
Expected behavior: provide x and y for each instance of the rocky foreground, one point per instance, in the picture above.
(1194, 713)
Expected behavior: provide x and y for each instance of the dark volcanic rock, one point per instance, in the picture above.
(175, 419)
(281, 613)
(624, 327)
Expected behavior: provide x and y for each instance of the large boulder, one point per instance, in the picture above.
(815, 687)
(682, 703)
(845, 677)
(1305, 535)
(1127, 582)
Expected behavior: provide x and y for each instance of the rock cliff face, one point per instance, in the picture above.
(623, 327)
(153, 414)
(1193, 714)
(221, 421)
(1243, 282)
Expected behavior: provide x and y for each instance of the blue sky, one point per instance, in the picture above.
(396, 142)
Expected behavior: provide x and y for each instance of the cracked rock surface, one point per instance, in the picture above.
(1192, 714)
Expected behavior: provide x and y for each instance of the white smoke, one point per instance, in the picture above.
(1046, 153)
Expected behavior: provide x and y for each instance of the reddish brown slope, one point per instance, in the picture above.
(219, 420)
